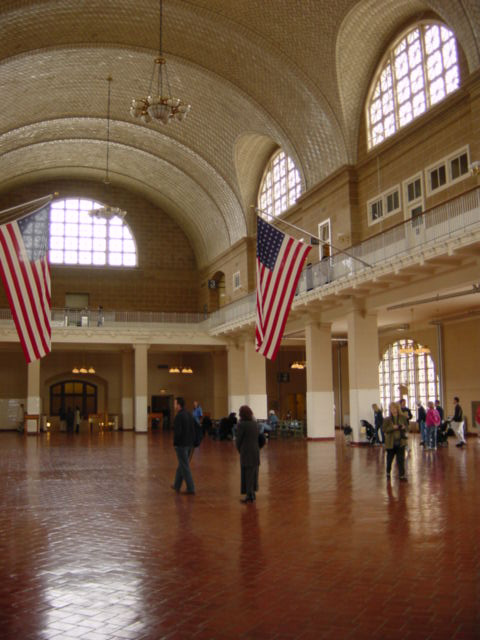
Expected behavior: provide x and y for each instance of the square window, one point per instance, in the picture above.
(376, 210)
(115, 259)
(99, 258)
(84, 257)
(393, 201)
(438, 177)
(459, 166)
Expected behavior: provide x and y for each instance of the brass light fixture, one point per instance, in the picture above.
(159, 104)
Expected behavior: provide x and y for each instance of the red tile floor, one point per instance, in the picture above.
(95, 545)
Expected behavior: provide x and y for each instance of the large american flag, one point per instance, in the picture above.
(26, 277)
(280, 260)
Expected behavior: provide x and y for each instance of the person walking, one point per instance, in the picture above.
(183, 439)
(197, 412)
(247, 445)
(432, 422)
(77, 419)
(395, 429)
(421, 417)
(457, 423)
(378, 423)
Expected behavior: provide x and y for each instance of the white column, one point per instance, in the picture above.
(127, 390)
(320, 400)
(255, 380)
(236, 377)
(362, 368)
(34, 401)
(141, 387)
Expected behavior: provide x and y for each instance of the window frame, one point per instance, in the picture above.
(446, 162)
(382, 198)
(269, 169)
(388, 60)
(79, 210)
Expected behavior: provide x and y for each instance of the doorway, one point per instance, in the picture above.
(164, 405)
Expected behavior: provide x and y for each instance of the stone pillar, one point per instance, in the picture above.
(127, 390)
(34, 401)
(362, 368)
(320, 400)
(255, 380)
(141, 387)
(236, 377)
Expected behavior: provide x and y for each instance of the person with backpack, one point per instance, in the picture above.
(432, 422)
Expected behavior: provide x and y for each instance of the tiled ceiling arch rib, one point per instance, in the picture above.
(232, 52)
(194, 210)
(366, 33)
(154, 143)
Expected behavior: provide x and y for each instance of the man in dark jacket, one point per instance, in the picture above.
(183, 438)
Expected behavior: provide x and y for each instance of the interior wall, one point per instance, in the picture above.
(462, 358)
(166, 278)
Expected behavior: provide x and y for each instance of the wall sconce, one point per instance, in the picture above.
(475, 168)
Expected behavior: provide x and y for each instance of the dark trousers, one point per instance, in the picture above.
(249, 481)
(183, 470)
(400, 453)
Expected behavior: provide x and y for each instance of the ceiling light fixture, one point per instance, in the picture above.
(161, 105)
(107, 212)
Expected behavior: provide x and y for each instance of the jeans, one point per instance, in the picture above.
(423, 435)
(183, 470)
(399, 452)
(431, 441)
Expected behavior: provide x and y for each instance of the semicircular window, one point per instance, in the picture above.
(419, 70)
(281, 185)
(78, 238)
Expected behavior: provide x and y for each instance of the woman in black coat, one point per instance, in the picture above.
(247, 445)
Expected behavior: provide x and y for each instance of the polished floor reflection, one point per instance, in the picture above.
(95, 545)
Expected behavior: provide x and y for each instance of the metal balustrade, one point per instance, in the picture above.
(457, 217)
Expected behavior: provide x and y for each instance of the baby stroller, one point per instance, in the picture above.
(369, 431)
(442, 434)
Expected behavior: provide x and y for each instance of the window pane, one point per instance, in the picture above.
(423, 73)
(77, 238)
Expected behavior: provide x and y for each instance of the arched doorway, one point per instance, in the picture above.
(73, 393)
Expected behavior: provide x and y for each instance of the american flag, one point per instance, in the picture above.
(280, 260)
(26, 277)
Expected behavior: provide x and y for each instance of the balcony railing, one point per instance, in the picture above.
(453, 219)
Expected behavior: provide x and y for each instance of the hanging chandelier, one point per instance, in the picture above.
(159, 104)
(107, 212)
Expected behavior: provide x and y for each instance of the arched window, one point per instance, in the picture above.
(281, 185)
(407, 370)
(419, 70)
(77, 238)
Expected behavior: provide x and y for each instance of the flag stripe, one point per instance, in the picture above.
(26, 277)
(280, 260)
(17, 305)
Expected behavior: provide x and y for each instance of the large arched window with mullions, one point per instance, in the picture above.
(281, 185)
(79, 238)
(420, 69)
(407, 370)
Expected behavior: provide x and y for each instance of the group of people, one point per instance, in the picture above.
(392, 430)
(185, 426)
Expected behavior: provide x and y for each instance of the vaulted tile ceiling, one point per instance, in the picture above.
(258, 74)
